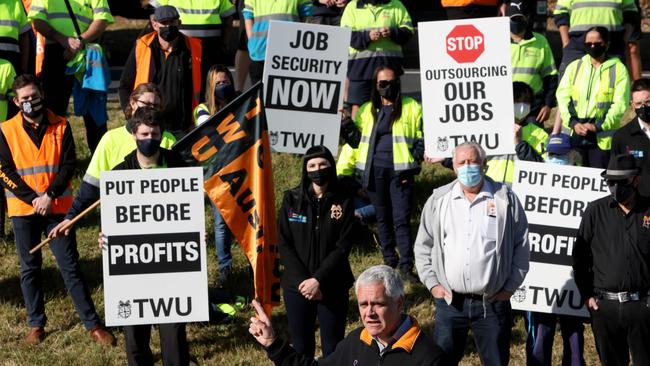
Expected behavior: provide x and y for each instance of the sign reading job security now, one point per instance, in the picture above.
(554, 198)
(466, 85)
(304, 76)
(155, 261)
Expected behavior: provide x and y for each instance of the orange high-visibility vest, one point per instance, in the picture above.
(36, 166)
(143, 63)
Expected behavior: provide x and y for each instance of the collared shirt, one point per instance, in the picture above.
(644, 128)
(631, 139)
(401, 330)
(469, 245)
(612, 249)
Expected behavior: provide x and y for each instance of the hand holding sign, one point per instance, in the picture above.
(261, 327)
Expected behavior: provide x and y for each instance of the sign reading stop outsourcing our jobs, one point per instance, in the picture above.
(304, 76)
(155, 260)
(554, 198)
(466, 85)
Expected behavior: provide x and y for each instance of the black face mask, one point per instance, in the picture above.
(224, 92)
(389, 91)
(32, 108)
(596, 51)
(518, 26)
(320, 177)
(621, 192)
(148, 147)
(643, 113)
(169, 33)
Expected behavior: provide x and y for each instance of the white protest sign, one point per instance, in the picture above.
(304, 77)
(554, 198)
(155, 262)
(466, 85)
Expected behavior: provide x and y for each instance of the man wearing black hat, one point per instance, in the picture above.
(173, 62)
(611, 263)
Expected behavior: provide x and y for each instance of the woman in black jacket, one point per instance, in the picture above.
(315, 227)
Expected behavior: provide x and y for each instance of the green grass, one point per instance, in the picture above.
(68, 343)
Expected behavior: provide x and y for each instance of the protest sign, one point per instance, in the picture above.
(466, 85)
(155, 261)
(554, 198)
(304, 76)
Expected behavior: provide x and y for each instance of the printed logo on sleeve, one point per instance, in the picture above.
(297, 217)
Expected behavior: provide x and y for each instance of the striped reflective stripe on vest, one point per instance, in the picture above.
(9, 47)
(370, 54)
(396, 166)
(612, 76)
(586, 27)
(9, 23)
(595, 4)
(289, 17)
(524, 70)
(91, 180)
(396, 140)
(49, 169)
(67, 16)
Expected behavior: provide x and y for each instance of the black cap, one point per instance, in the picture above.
(165, 12)
(620, 167)
(518, 7)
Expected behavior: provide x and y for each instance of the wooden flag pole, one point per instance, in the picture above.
(66, 227)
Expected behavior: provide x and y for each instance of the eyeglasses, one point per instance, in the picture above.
(594, 44)
(385, 83)
(144, 103)
(641, 104)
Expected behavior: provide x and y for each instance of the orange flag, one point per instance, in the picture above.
(233, 149)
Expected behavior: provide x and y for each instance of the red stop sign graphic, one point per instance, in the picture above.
(465, 43)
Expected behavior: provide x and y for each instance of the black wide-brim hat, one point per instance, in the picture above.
(620, 167)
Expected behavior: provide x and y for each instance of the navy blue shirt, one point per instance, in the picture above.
(383, 154)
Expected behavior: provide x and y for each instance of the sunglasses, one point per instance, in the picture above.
(386, 83)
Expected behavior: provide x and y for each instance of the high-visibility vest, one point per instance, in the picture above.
(261, 12)
(456, 3)
(111, 150)
(200, 18)
(7, 75)
(501, 168)
(595, 95)
(346, 161)
(532, 61)
(37, 166)
(56, 14)
(143, 63)
(405, 130)
(13, 22)
(584, 14)
(368, 17)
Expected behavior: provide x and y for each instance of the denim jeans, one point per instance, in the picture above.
(222, 240)
(490, 322)
(28, 231)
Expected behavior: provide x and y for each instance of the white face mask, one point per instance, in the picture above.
(521, 110)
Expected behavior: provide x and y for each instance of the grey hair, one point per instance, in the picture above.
(478, 148)
(393, 286)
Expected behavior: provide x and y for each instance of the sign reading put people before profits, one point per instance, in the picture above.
(554, 198)
(304, 76)
(466, 85)
(155, 261)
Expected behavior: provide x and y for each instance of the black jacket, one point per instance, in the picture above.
(630, 139)
(413, 349)
(315, 239)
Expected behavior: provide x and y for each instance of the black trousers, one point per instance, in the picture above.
(392, 197)
(173, 345)
(57, 87)
(301, 315)
(256, 71)
(620, 328)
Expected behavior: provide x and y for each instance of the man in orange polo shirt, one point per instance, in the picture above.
(37, 158)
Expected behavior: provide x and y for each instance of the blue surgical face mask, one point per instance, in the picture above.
(469, 175)
(558, 159)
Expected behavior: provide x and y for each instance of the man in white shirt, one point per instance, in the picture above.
(472, 253)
